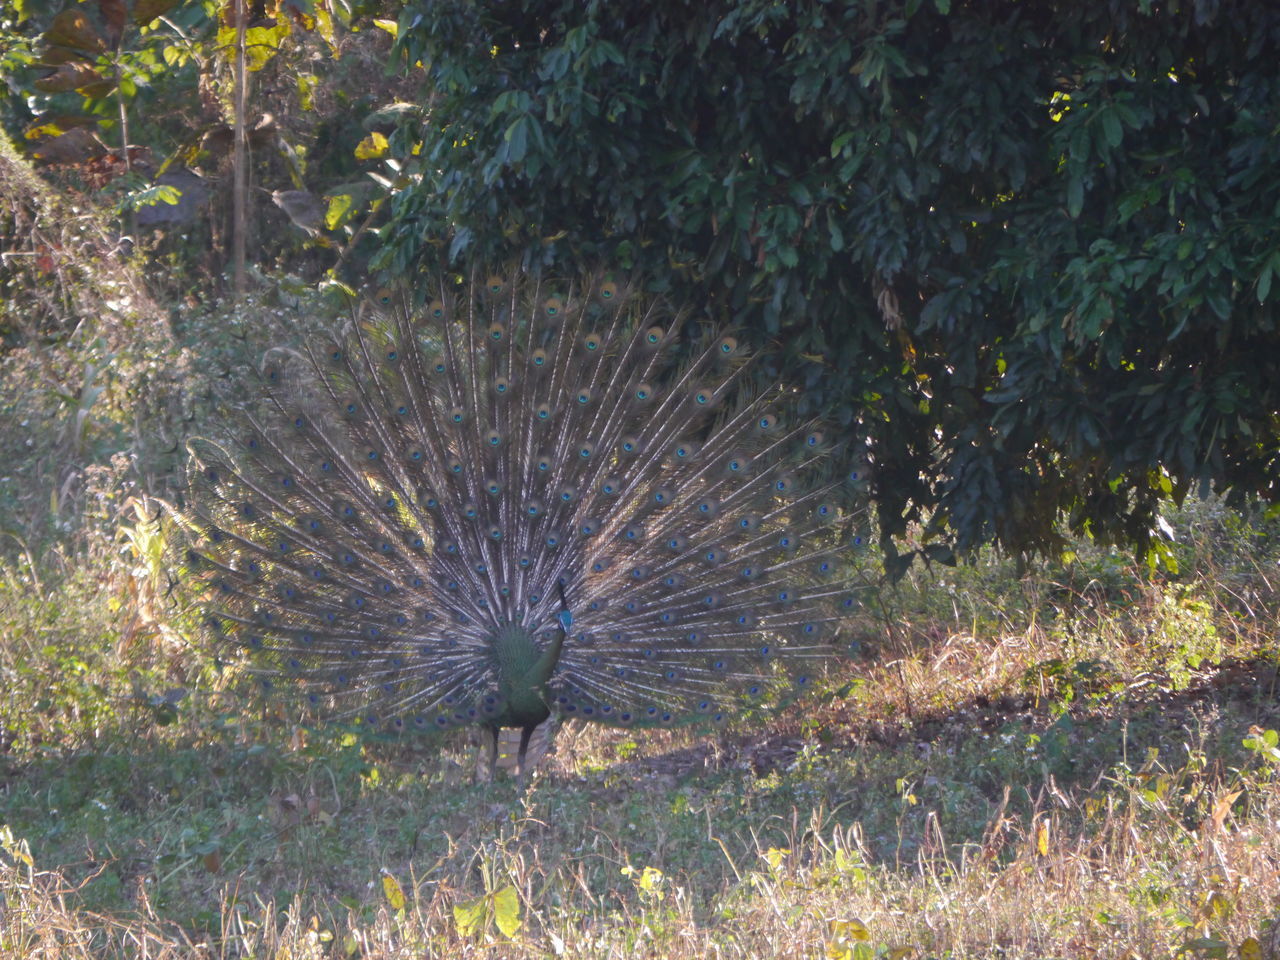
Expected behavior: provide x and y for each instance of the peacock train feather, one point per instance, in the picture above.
(519, 502)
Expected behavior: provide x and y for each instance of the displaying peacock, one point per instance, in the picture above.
(521, 500)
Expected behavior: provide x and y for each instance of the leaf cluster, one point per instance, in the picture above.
(1025, 250)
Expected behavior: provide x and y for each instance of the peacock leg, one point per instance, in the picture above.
(525, 733)
(494, 731)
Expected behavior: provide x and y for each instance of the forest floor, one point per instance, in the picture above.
(1072, 763)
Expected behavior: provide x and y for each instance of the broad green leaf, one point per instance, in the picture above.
(651, 879)
(391, 890)
(324, 25)
(468, 916)
(506, 911)
(1075, 196)
(517, 137)
(341, 207)
(1111, 128)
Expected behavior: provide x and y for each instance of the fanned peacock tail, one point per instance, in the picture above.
(515, 502)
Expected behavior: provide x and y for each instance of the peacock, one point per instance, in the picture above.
(509, 500)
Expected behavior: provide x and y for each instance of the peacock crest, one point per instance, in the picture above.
(520, 501)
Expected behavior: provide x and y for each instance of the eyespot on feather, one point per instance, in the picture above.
(554, 461)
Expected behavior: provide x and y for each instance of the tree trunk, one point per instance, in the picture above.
(239, 158)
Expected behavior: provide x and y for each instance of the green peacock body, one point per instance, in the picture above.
(516, 502)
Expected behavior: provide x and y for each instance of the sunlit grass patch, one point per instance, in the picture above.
(1048, 766)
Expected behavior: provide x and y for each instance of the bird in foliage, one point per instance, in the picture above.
(521, 500)
(302, 207)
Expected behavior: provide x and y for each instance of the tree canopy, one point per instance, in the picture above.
(1021, 255)
(1026, 250)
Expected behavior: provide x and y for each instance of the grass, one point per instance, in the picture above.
(1047, 766)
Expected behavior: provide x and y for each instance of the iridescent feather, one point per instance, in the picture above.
(520, 501)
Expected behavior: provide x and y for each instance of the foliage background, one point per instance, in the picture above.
(1020, 258)
(1025, 250)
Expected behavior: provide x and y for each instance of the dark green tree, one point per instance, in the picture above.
(1026, 249)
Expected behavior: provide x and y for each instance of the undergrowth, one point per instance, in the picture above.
(1077, 761)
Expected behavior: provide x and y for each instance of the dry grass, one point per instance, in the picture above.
(1018, 769)
(1132, 880)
